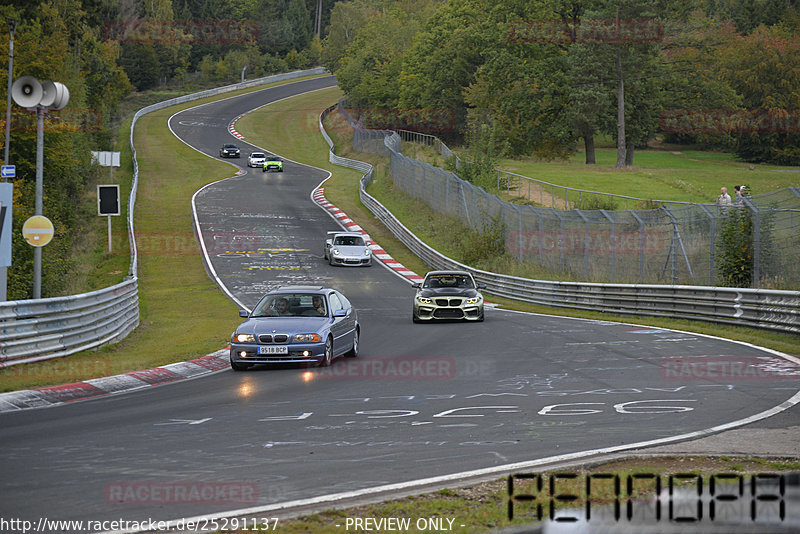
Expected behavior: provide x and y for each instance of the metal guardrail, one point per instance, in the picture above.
(768, 309)
(41, 329)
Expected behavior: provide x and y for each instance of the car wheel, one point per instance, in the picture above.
(414, 318)
(240, 366)
(330, 260)
(480, 319)
(354, 351)
(328, 358)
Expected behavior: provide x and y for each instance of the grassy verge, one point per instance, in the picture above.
(484, 507)
(183, 314)
(671, 173)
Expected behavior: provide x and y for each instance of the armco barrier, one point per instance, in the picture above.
(759, 308)
(41, 329)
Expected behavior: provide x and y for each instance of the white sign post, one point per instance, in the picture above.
(108, 205)
(107, 195)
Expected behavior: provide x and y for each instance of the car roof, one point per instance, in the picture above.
(259, 154)
(354, 234)
(229, 145)
(305, 289)
(459, 273)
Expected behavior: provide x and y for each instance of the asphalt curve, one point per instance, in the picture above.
(421, 400)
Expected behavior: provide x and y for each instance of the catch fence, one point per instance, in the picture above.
(672, 243)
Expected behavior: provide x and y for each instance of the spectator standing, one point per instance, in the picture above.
(740, 192)
(724, 199)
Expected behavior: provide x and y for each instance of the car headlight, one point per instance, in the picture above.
(474, 300)
(306, 338)
(423, 300)
(244, 338)
(335, 251)
(367, 252)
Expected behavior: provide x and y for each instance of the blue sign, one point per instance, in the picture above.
(8, 171)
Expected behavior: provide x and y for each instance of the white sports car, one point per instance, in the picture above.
(347, 248)
(256, 159)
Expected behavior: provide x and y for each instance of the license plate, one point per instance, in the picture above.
(273, 349)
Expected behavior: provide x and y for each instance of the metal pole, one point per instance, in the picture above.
(11, 27)
(37, 251)
(12, 24)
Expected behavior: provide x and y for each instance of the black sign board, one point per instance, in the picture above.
(108, 200)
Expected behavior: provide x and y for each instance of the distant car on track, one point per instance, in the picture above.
(229, 151)
(448, 295)
(272, 163)
(256, 159)
(296, 324)
(347, 248)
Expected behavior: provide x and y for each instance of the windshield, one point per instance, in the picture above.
(349, 241)
(257, 155)
(291, 305)
(459, 281)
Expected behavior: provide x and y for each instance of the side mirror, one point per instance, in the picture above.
(340, 313)
(481, 286)
(416, 285)
(244, 313)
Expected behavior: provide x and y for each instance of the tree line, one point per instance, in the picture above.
(542, 77)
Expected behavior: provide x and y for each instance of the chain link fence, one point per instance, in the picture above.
(674, 243)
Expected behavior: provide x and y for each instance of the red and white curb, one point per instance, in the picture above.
(111, 385)
(232, 127)
(377, 251)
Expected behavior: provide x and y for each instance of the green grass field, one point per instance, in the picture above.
(664, 174)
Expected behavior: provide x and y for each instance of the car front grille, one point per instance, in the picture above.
(448, 313)
(277, 338)
(448, 302)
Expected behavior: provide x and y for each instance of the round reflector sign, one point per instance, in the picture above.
(38, 230)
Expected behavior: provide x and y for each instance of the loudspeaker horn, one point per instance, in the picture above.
(27, 92)
(55, 95)
(48, 93)
(61, 98)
